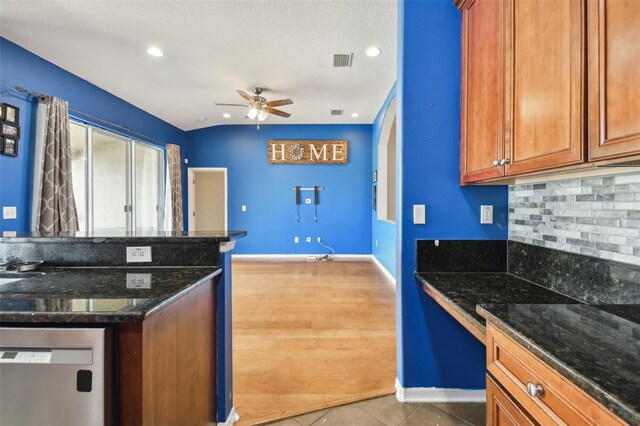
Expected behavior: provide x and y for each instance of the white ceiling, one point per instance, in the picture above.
(214, 47)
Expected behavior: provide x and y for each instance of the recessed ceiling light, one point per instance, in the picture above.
(373, 51)
(355, 115)
(155, 51)
(200, 120)
(226, 115)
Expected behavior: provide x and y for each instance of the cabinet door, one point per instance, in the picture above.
(614, 78)
(545, 84)
(482, 112)
(501, 410)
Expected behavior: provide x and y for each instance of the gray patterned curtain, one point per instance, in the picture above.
(56, 206)
(174, 192)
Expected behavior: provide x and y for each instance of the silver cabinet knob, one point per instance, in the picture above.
(504, 161)
(534, 390)
(496, 163)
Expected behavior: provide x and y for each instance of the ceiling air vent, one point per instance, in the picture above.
(337, 111)
(342, 60)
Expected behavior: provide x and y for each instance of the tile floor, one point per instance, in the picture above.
(387, 411)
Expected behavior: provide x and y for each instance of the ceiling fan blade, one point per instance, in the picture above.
(277, 112)
(240, 105)
(279, 102)
(247, 97)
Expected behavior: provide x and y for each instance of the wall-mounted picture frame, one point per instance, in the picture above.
(9, 146)
(10, 114)
(374, 176)
(374, 196)
(10, 130)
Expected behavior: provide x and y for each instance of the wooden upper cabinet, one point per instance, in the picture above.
(482, 112)
(545, 56)
(614, 78)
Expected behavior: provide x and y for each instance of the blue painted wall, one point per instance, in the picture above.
(433, 349)
(383, 232)
(344, 213)
(19, 67)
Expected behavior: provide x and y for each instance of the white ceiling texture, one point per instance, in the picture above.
(212, 48)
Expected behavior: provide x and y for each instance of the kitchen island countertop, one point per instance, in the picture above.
(95, 295)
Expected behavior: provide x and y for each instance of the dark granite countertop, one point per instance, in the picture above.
(462, 291)
(596, 347)
(137, 237)
(94, 295)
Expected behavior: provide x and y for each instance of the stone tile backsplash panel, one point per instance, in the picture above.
(595, 216)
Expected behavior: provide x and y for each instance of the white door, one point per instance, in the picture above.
(207, 199)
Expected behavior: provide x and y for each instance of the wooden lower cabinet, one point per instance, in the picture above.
(167, 364)
(501, 409)
(556, 401)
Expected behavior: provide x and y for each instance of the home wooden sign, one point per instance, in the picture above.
(307, 151)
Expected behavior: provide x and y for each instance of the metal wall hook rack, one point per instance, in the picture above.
(308, 189)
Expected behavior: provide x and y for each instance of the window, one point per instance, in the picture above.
(118, 182)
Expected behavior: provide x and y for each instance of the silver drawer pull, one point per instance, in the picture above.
(534, 390)
(496, 163)
(504, 161)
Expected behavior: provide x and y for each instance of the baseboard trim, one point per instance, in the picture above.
(384, 270)
(298, 256)
(439, 394)
(231, 419)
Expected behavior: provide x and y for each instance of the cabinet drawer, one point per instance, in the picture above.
(557, 401)
(501, 409)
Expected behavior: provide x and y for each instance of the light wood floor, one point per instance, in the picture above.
(310, 335)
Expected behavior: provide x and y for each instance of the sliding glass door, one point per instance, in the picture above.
(118, 181)
(111, 183)
(149, 184)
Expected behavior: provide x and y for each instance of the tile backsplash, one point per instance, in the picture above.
(594, 216)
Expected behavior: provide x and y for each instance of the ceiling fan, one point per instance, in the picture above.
(260, 108)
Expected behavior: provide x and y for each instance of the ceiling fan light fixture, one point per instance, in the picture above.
(253, 113)
(262, 115)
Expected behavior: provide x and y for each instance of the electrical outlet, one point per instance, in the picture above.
(308, 239)
(138, 280)
(319, 239)
(138, 254)
(9, 212)
(486, 215)
(244, 208)
(296, 240)
(307, 200)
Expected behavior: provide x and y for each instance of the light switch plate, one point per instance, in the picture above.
(244, 208)
(138, 254)
(138, 280)
(308, 239)
(9, 212)
(419, 214)
(486, 215)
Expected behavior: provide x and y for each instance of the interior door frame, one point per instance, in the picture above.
(191, 190)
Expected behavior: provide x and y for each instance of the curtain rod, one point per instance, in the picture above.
(41, 96)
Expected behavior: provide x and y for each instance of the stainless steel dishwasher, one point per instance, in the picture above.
(55, 376)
